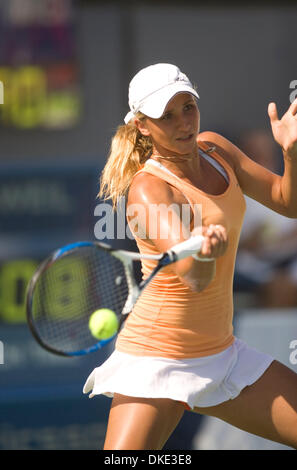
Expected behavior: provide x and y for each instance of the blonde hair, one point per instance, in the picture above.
(128, 152)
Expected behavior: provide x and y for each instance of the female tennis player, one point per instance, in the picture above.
(177, 350)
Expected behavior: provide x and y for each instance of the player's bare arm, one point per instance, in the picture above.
(279, 193)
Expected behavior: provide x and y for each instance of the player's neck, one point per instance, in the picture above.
(179, 164)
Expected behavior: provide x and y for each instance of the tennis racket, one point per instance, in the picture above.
(80, 278)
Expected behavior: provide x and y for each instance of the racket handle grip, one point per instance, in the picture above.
(188, 247)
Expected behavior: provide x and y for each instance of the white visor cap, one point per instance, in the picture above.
(152, 88)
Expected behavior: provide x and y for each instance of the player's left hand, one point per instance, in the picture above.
(215, 241)
(285, 130)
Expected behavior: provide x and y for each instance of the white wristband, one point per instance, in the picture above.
(195, 256)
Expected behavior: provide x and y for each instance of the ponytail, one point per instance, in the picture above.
(129, 151)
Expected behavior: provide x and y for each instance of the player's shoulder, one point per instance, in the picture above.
(224, 147)
(212, 137)
(147, 188)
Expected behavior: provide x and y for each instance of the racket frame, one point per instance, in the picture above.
(180, 251)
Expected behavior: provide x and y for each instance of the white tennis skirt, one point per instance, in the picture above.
(204, 381)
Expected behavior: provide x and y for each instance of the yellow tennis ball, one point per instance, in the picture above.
(103, 323)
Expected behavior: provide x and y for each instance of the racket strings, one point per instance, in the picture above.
(70, 290)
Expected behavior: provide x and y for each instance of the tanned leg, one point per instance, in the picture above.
(267, 408)
(141, 423)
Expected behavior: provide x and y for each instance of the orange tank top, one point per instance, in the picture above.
(169, 319)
